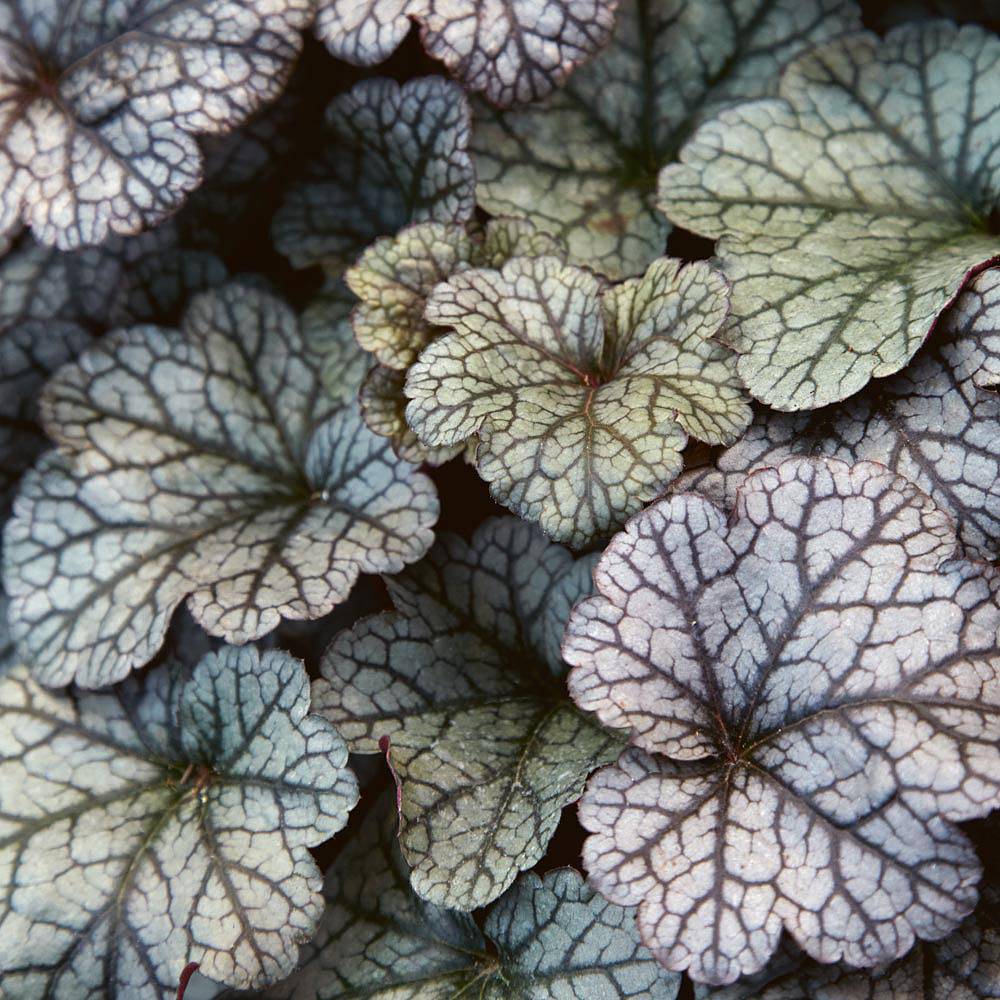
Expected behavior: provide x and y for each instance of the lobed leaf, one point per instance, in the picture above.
(852, 209)
(515, 52)
(963, 966)
(395, 154)
(100, 102)
(933, 423)
(464, 681)
(812, 688)
(53, 303)
(165, 822)
(204, 463)
(393, 279)
(582, 396)
(582, 165)
(551, 937)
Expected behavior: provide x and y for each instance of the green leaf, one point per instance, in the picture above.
(53, 303)
(932, 423)
(549, 938)
(852, 209)
(393, 279)
(203, 463)
(464, 680)
(383, 408)
(164, 822)
(582, 396)
(582, 165)
(393, 154)
(963, 966)
(812, 688)
(395, 276)
(100, 102)
(515, 52)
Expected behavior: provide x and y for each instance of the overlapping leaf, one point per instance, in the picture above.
(204, 463)
(465, 680)
(393, 279)
(395, 154)
(813, 691)
(166, 822)
(932, 424)
(583, 163)
(100, 102)
(552, 937)
(515, 52)
(582, 396)
(964, 966)
(53, 303)
(851, 209)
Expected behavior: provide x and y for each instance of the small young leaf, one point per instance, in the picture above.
(203, 463)
(168, 821)
(963, 966)
(393, 279)
(582, 395)
(583, 164)
(395, 154)
(100, 103)
(465, 682)
(552, 938)
(813, 691)
(515, 52)
(932, 423)
(395, 276)
(852, 209)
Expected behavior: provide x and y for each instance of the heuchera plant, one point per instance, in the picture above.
(499, 500)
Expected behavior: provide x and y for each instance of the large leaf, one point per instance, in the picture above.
(465, 681)
(393, 279)
(203, 463)
(515, 52)
(582, 395)
(963, 966)
(583, 163)
(100, 102)
(931, 423)
(852, 209)
(395, 154)
(168, 821)
(551, 938)
(813, 691)
(52, 303)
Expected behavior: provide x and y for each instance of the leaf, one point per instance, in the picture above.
(964, 966)
(812, 690)
(100, 103)
(551, 938)
(852, 209)
(326, 330)
(582, 396)
(203, 463)
(393, 279)
(394, 154)
(464, 680)
(931, 424)
(582, 165)
(515, 52)
(53, 303)
(163, 822)
(383, 408)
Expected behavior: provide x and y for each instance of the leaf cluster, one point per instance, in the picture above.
(520, 521)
